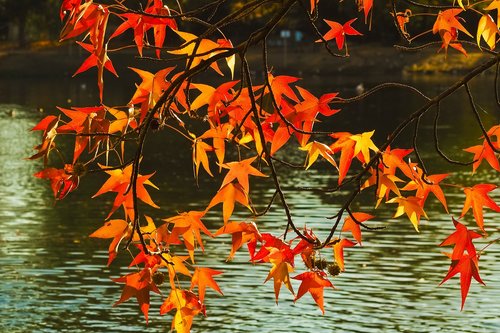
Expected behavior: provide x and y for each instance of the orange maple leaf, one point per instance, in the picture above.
(338, 251)
(476, 197)
(188, 225)
(116, 229)
(175, 265)
(228, 195)
(240, 171)
(187, 306)
(219, 134)
(386, 184)
(242, 232)
(280, 272)
(138, 285)
(412, 206)
(483, 152)
(313, 282)
(49, 127)
(62, 181)
(203, 278)
(205, 50)
(119, 182)
(314, 149)
(200, 156)
(351, 225)
(423, 188)
(87, 120)
(151, 88)
(448, 25)
(280, 86)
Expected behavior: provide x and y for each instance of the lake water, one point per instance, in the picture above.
(54, 278)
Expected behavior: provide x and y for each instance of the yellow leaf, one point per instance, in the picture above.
(315, 149)
(487, 29)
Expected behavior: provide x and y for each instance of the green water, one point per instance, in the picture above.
(54, 278)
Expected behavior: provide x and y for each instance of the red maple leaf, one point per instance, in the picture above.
(313, 282)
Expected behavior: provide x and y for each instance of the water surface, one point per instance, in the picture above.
(54, 278)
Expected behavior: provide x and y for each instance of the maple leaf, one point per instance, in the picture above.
(338, 251)
(495, 4)
(187, 306)
(366, 7)
(476, 197)
(62, 181)
(81, 18)
(188, 225)
(49, 127)
(487, 29)
(307, 110)
(142, 23)
(351, 225)
(279, 272)
(483, 152)
(393, 160)
(363, 145)
(314, 283)
(175, 264)
(123, 121)
(93, 60)
(200, 157)
(315, 149)
(203, 278)
(87, 120)
(423, 188)
(119, 182)
(138, 285)
(280, 86)
(494, 131)
(345, 145)
(116, 229)
(205, 50)
(314, 105)
(271, 244)
(214, 98)
(462, 238)
(386, 184)
(468, 267)
(447, 25)
(313, 5)
(402, 18)
(338, 32)
(97, 47)
(159, 20)
(68, 7)
(280, 138)
(228, 195)
(151, 88)
(219, 134)
(412, 206)
(242, 232)
(240, 171)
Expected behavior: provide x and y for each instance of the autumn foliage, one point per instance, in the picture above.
(248, 124)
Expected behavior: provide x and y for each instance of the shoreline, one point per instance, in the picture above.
(311, 60)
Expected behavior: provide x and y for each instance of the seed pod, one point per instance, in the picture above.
(158, 278)
(333, 269)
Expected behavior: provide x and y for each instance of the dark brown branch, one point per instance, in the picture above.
(378, 87)
(478, 118)
(436, 140)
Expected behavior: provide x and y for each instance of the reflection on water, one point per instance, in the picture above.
(54, 278)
